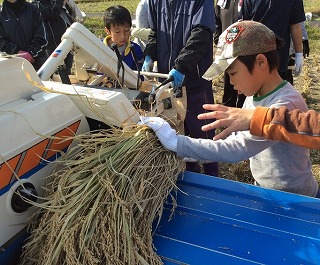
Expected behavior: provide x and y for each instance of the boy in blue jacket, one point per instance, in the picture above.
(118, 22)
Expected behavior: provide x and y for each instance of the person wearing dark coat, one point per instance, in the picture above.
(22, 31)
(57, 18)
(283, 17)
(181, 41)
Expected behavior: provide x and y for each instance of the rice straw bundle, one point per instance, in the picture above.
(100, 207)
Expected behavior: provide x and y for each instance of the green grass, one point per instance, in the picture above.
(95, 23)
(314, 39)
(101, 6)
(311, 6)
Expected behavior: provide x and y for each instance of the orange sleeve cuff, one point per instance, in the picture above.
(259, 120)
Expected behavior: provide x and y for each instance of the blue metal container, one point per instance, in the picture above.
(219, 221)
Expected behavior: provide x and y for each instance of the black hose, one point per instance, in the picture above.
(134, 55)
(114, 47)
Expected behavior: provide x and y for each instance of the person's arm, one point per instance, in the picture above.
(200, 39)
(142, 15)
(237, 147)
(194, 49)
(296, 33)
(277, 124)
(280, 124)
(151, 47)
(218, 29)
(39, 36)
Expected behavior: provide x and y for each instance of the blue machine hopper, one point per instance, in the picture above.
(219, 221)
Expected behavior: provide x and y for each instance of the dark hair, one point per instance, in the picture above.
(272, 58)
(116, 15)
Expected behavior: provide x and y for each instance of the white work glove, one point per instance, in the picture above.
(166, 135)
(298, 63)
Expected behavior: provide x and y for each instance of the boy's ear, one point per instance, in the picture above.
(262, 61)
(106, 30)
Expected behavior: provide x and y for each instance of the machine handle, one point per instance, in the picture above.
(152, 74)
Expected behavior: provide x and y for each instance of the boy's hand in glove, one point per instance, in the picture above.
(147, 64)
(166, 135)
(26, 56)
(177, 78)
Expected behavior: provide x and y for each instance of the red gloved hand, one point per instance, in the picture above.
(26, 56)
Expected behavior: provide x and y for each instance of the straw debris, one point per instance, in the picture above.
(101, 206)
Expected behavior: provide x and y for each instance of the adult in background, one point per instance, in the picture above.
(226, 13)
(57, 19)
(22, 31)
(142, 27)
(181, 41)
(283, 17)
(305, 52)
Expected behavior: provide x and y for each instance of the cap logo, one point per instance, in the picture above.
(233, 33)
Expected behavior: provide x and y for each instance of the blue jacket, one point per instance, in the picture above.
(182, 37)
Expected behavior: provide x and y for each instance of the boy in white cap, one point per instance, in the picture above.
(247, 52)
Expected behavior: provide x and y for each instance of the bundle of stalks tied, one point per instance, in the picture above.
(101, 206)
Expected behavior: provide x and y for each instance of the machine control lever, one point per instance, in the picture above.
(154, 89)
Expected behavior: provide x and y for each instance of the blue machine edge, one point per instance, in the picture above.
(218, 221)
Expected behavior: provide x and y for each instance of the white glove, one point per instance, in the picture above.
(298, 63)
(188, 159)
(163, 130)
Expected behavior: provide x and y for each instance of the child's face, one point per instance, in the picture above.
(120, 34)
(243, 81)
